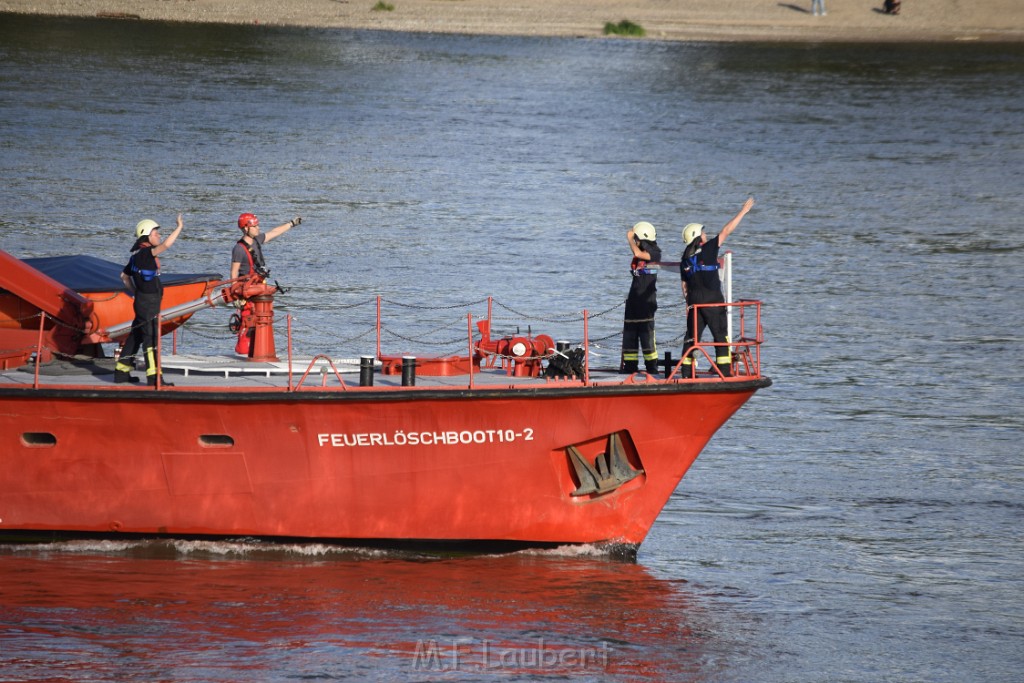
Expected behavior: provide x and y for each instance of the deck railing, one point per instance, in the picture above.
(745, 350)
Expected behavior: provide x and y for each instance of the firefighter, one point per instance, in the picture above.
(246, 258)
(141, 277)
(247, 255)
(642, 302)
(698, 269)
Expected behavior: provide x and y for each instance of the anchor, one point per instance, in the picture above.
(610, 470)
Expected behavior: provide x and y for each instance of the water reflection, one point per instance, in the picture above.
(862, 512)
(207, 610)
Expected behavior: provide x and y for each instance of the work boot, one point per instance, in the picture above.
(629, 367)
(651, 366)
(725, 369)
(151, 381)
(686, 370)
(123, 376)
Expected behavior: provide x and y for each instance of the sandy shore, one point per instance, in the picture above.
(717, 20)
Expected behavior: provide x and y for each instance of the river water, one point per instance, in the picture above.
(859, 521)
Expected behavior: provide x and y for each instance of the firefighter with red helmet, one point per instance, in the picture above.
(247, 255)
(247, 259)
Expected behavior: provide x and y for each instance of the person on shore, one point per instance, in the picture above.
(642, 301)
(141, 277)
(818, 8)
(891, 6)
(698, 269)
(247, 254)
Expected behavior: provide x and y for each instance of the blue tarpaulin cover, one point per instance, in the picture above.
(91, 274)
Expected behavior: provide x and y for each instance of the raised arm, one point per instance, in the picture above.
(169, 240)
(637, 251)
(283, 228)
(731, 225)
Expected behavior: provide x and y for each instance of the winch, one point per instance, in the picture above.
(521, 356)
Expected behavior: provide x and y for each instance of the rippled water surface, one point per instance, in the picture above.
(858, 521)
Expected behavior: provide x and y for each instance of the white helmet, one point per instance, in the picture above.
(645, 231)
(144, 227)
(692, 232)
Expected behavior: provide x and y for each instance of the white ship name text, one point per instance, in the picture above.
(403, 438)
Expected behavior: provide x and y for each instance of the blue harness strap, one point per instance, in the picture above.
(645, 271)
(693, 266)
(640, 267)
(146, 275)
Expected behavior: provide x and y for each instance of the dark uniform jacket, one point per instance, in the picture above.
(642, 301)
(699, 270)
(144, 270)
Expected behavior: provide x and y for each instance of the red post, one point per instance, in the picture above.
(159, 361)
(39, 349)
(263, 337)
(289, 352)
(469, 320)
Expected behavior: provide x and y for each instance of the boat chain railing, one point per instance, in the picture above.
(745, 347)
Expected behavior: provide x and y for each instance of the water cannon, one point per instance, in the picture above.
(254, 322)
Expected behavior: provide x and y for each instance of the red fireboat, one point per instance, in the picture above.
(518, 442)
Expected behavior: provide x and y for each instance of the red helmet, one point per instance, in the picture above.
(248, 220)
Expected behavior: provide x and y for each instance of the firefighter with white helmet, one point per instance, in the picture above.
(642, 301)
(144, 227)
(141, 277)
(698, 269)
(691, 231)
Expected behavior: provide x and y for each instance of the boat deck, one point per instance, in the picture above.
(233, 372)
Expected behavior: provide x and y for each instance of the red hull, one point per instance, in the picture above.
(525, 454)
(490, 465)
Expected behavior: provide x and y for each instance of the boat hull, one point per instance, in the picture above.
(359, 465)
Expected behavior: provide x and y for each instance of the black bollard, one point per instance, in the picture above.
(408, 371)
(668, 363)
(366, 371)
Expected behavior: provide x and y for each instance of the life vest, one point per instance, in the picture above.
(255, 254)
(640, 267)
(142, 273)
(690, 265)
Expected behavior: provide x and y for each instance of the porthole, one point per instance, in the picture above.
(38, 439)
(216, 441)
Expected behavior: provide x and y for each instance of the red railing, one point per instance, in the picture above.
(745, 350)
